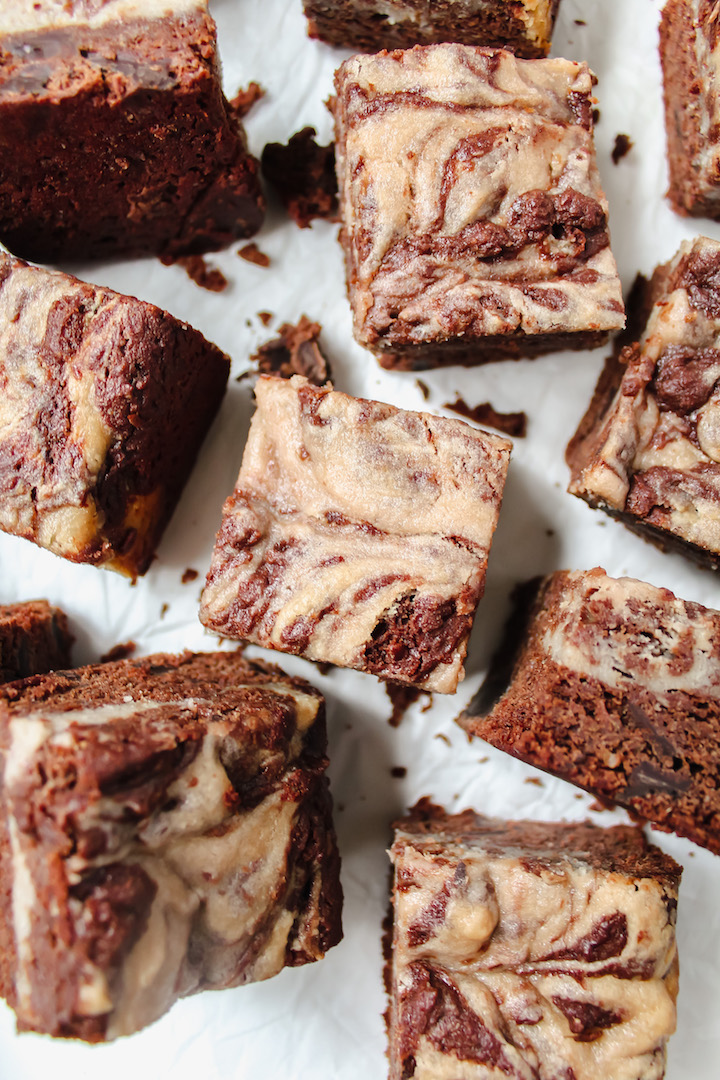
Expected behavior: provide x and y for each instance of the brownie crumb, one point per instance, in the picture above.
(423, 388)
(295, 351)
(623, 144)
(483, 759)
(244, 100)
(252, 253)
(598, 807)
(513, 423)
(595, 117)
(401, 698)
(533, 780)
(323, 666)
(265, 317)
(188, 576)
(198, 271)
(164, 610)
(119, 652)
(303, 173)
(399, 772)
(580, 22)
(443, 736)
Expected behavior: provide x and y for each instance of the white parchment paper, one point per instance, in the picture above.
(325, 1020)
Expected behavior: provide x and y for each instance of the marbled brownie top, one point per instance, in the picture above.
(468, 180)
(656, 452)
(23, 15)
(342, 508)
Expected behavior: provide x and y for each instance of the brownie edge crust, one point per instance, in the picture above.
(525, 949)
(34, 638)
(165, 827)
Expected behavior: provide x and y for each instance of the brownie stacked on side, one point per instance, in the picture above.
(106, 400)
(616, 688)
(165, 827)
(358, 534)
(34, 638)
(648, 449)
(525, 26)
(525, 949)
(115, 136)
(475, 227)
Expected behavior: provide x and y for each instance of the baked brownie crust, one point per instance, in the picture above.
(371, 25)
(474, 222)
(115, 136)
(34, 638)
(519, 944)
(690, 58)
(168, 830)
(647, 450)
(106, 400)
(616, 688)
(358, 534)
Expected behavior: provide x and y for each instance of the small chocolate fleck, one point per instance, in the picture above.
(164, 610)
(265, 317)
(423, 388)
(244, 100)
(580, 22)
(198, 271)
(118, 652)
(252, 253)
(188, 576)
(596, 117)
(443, 736)
(533, 780)
(398, 771)
(509, 423)
(623, 144)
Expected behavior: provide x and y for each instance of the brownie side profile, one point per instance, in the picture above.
(689, 55)
(474, 223)
(358, 534)
(524, 26)
(524, 949)
(106, 401)
(34, 638)
(115, 136)
(168, 829)
(648, 449)
(616, 688)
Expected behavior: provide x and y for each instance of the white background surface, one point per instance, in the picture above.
(325, 1020)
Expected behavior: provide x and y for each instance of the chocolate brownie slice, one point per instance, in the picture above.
(648, 449)
(524, 949)
(105, 403)
(34, 638)
(525, 26)
(690, 54)
(115, 136)
(358, 534)
(616, 688)
(165, 827)
(474, 223)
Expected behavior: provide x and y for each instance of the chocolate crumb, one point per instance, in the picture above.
(401, 698)
(595, 117)
(303, 173)
(119, 652)
(483, 759)
(164, 610)
(198, 271)
(597, 807)
(265, 317)
(423, 388)
(623, 143)
(244, 100)
(323, 666)
(443, 736)
(296, 351)
(549, 532)
(533, 780)
(513, 423)
(188, 576)
(252, 253)
(398, 771)
(580, 22)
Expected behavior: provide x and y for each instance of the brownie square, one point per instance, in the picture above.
(106, 400)
(358, 534)
(616, 687)
(648, 449)
(34, 639)
(527, 949)
(115, 136)
(475, 227)
(524, 26)
(689, 55)
(165, 828)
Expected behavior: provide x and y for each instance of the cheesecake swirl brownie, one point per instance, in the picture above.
(105, 403)
(115, 136)
(165, 827)
(616, 688)
(525, 26)
(358, 534)
(648, 449)
(524, 949)
(690, 58)
(34, 638)
(474, 224)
